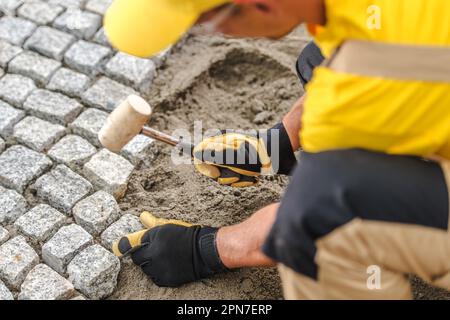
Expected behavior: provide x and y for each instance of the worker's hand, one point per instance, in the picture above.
(172, 252)
(237, 159)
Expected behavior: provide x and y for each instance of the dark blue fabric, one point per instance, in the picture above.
(309, 59)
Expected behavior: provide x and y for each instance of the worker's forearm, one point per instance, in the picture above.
(292, 122)
(240, 245)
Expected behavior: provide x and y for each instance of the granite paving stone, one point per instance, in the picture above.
(9, 116)
(69, 3)
(40, 12)
(69, 82)
(15, 30)
(62, 188)
(53, 107)
(40, 223)
(109, 172)
(9, 7)
(17, 259)
(98, 6)
(128, 223)
(82, 24)
(50, 42)
(94, 272)
(64, 246)
(5, 294)
(38, 134)
(20, 165)
(4, 235)
(42, 283)
(12, 205)
(88, 125)
(15, 88)
(101, 38)
(73, 151)
(34, 66)
(7, 52)
(96, 212)
(140, 149)
(107, 94)
(87, 57)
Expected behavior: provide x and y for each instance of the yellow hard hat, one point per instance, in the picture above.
(145, 27)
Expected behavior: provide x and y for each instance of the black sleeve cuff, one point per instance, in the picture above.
(285, 162)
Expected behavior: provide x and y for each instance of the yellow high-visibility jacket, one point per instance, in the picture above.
(396, 116)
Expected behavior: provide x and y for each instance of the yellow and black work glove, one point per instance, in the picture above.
(237, 159)
(172, 252)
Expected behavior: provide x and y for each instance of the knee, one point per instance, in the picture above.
(309, 59)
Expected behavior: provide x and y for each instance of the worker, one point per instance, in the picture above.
(363, 202)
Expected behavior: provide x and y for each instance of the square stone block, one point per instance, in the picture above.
(98, 6)
(125, 225)
(69, 82)
(34, 66)
(4, 234)
(8, 52)
(5, 294)
(40, 12)
(20, 165)
(9, 116)
(87, 57)
(15, 30)
(50, 42)
(82, 24)
(9, 7)
(64, 246)
(12, 205)
(89, 124)
(15, 89)
(62, 188)
(140, 149)
(73, 151)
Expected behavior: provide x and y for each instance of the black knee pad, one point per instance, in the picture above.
(309, 59)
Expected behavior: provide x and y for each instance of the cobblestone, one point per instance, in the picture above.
(88, 125)
(101, 38)
(96, 212)
(132, 71)
(94, 272)
(8, 52)
(15, 89)
(73, 151)
(125, 225)
(5, 294)
(42, 283)
(69, 82)
(4, 234)
(40, 12)
(110, 172)
(87, 57)
(17, 259)
(12, 206)
(82, 24)
(107, 94)
(98, 6)
(50, 42)
(34, 66)
(15, 30)
(64, 246)
(62, 188)
(69, 3)
(9, 116)
(140, 149)
(52, 106)
(9, 6)
(38, 134)
(40, 223)
(20, 165)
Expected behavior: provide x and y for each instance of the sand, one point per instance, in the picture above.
(226, 84)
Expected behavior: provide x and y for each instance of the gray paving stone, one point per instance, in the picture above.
(9, 6)
(15, 30)
(98, 6)
(17, 259)
(101, 38)
(109, 172)
(88, 125)
(50, 42)
(40, 12)
(161, 57)
(2, 145)
(140, 149)
(132, 71)
(15, 89)
(12, 205)
(7, 52)
(96, 212)
(69, 82)
(82, 24)
(34, 66)
(73, 151)
(4, 234)
(52, 106)
(69, 3)
(38, 134)
(64, 246)
(125, 225)
(9, 116)
(20, 165)
(107, 94)
(94, 272)
(87, 57)
(40, 223)
(62, 188)
(5, 294)
(42, 283)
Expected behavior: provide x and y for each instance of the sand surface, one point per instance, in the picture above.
(225, 84)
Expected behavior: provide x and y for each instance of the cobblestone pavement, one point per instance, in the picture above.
(59, 79)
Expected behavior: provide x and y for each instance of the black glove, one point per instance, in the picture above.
(251, 155)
